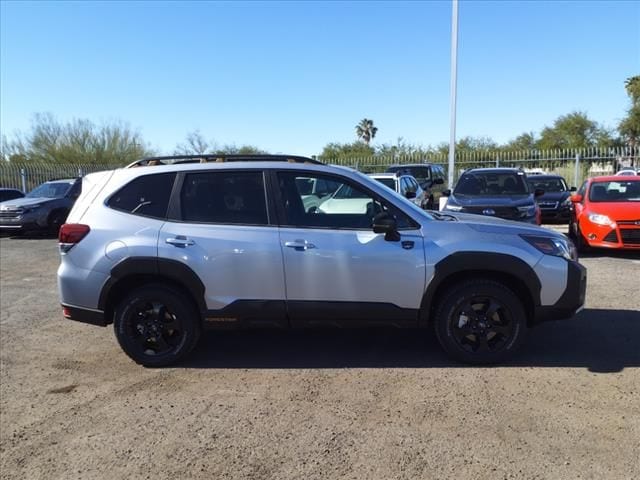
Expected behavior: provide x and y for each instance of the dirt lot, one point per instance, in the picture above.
(319, 405)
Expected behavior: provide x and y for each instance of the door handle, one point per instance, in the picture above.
(299, 245)
(180, 241)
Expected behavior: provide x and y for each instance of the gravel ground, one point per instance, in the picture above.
(316, 405)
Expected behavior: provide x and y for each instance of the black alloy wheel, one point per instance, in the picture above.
(156, 325)
(481, 322)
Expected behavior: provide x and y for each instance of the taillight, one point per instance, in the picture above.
(70, 234)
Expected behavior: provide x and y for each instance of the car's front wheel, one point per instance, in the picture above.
(156, 325)
(481, 321)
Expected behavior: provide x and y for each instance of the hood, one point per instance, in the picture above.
(24, 202)
(491, 201)
(554, 197)
(486, 224)
(617, 210)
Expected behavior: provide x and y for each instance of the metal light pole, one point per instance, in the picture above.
(454, 87)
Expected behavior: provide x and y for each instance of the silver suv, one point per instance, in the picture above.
(226, 241)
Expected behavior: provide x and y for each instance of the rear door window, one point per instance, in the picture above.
(225, 197)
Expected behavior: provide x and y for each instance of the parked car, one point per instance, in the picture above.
(628, 171)
(606, 213)
(555, 203)
(431, 178)
(44, 208)
(10, 194)
(496, 192)
(405, 185)
(165, 251)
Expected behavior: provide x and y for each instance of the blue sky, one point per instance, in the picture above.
(293, 76)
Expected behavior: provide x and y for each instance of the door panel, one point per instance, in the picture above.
(354, 266)
(226, 238)
(337, 271)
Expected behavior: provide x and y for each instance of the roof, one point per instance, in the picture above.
(533, 178)
(409, 165)
(219, 158)
(497, 170)
(386, 175)
(615, 178)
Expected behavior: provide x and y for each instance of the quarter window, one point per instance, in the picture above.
(147, 195)
(224, 197)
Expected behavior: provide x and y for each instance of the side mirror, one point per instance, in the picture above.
(409, 194)
(438, 181)
(576, 198)
(572, 189)
(385, 223)
(446, 193)
(538, 192)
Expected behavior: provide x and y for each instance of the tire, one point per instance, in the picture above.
(493, 332)
(157, 325)
(56, 219)
(581, 243)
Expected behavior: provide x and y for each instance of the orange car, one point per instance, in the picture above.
(606, 213)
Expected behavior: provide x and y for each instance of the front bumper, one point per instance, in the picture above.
(22, 222)
(558, 215)
(624, 235)
(571, 301)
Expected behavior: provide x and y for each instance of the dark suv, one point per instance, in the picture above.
(555, 204)
(430, 177)
(496, 192)
(44, 208)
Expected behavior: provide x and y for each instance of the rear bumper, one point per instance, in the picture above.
(84, 315)
(571, 301)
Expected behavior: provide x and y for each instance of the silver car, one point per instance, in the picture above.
(216, 242)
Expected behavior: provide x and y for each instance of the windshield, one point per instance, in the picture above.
(50, 190)
(420, 173)
(389, 182)
(491, 183)
(549, 185)
(615, 191)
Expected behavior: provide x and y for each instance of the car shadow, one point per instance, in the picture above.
(600, 340)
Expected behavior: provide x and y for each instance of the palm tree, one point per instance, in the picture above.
(366, 131)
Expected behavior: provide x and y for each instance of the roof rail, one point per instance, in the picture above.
(216, 157)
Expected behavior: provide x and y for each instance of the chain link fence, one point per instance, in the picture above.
(27, 176)
(574, 165)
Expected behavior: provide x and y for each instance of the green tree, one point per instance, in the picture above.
(524, 141)
(629, 127)
(78, 141)
(366, 131)
(574, 130)
(333, 151)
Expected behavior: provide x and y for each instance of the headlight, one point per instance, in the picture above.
(452, 208)
(558, 247)
(601, 220)
(31, 208)
(529, 210)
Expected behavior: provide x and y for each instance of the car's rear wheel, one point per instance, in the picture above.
(156, 325)
(481, 321)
